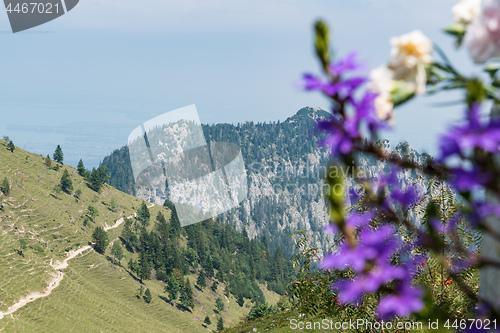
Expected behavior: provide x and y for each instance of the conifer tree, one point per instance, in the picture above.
(128, 234)
(219, 304)
(97, 178)
(100, 238)
(187, 297)
(201, 282)
(66, 183)
(92, 211)
(58, 155)
(143, 214)
(10, 146)
(174, 219)
(240, 300)
(81, 168)
(162, 226)
(147, 296)
(5, 188)
(172, 288)
(133, 266)
(207, 320)
(220, 324)
(117, 252)
(220, 275)
(144, 268)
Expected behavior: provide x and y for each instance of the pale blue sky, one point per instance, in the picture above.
(87, 79)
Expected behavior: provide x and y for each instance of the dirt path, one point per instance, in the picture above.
(118, 222)
(58, 266)
(53, 283)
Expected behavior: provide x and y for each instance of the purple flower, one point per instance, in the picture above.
(353, 220)
(407, 300)
(481, 210)
(345, 132)
(352, 291)
(396, 191)
(465, 180)
(312, 83)
(342, 135)
(383, 240)
(355, 193)
(331, 229)
(377, 245)
(348, 63)
(387, 179)
(359, 220)
(344, 88)
(473, 134)
(445, 227)
(404, 197)
(347, 257)
(365, 111)
(407, 197)
(459, 265)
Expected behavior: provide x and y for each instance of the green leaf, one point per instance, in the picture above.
(456, 29)
(476, 91)
(402, 92)
(322, 43)
(492, 68)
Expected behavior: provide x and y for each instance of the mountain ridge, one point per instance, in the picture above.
(285, 168)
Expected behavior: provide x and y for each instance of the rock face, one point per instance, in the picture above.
(285, 169)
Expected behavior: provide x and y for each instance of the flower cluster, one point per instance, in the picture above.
(461, 140)
(382, 83)
(482, 36)
(405, 74)
(409, 54)
(370, 256)
(373, 247)
(339, 86)
(345, 129)
(371, 260)
(466, 11)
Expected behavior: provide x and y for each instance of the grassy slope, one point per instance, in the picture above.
(95, 295)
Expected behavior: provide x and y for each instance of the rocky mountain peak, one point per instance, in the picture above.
(308, 112)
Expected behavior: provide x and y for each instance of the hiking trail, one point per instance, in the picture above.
(58, 266)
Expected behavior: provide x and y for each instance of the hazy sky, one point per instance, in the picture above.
(87, 79)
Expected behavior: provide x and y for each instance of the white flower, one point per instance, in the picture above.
(381, 80)
(482, 36)
(382, 83)
(384, 108)
(466, 11)
(409, 55)
(410, 49)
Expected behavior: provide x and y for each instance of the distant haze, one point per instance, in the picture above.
(86, 80)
